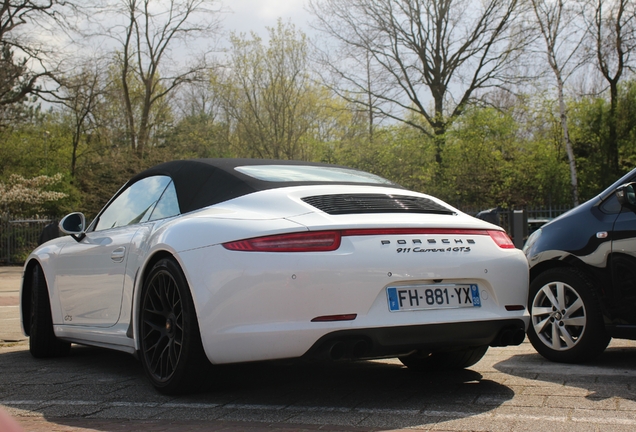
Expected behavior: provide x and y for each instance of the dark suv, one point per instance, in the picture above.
(583, 276)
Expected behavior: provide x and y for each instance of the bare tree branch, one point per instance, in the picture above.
(439, 52)
(24, 60)
(148, 32)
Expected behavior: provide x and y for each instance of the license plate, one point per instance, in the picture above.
(421, 297)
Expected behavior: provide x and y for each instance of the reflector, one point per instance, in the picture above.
(327, 318)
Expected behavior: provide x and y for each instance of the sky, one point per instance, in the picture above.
(255, 15)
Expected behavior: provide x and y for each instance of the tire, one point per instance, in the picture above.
(42, 340)
(566, 321)
(447, 360)
(170, 342)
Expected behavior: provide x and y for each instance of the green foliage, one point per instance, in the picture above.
(198, 136)
(478, 150)
(491, 160)
(399, 153)
(590, 136)
(542, 159)
(626, 125)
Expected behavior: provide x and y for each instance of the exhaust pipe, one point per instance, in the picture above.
(337, 351)
(509, 336)
(348, 349)
(518, 337)
(505, 338)
(360, 348)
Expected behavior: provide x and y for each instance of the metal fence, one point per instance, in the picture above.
(19, 236)
(519, 224)
(502, 217)
(546, 212)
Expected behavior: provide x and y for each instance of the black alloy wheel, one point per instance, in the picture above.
(171, 350)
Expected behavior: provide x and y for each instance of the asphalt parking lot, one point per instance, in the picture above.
(510, 389)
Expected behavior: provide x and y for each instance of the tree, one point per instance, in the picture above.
(13, 84)
(201, 127)
(82, 94)
(20, 194)
(447, 51)
(611, 25)
(562, 40)
(24, 60)
(480, 149)
(354, 95)
(149, 31)
(590, 131)
(270, 96)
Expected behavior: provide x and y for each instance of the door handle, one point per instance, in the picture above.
(118, 254)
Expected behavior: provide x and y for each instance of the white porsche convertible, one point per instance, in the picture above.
(219, 261)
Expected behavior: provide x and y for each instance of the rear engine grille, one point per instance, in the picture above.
(341, 204)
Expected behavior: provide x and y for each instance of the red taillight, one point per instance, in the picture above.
(501, 239)
(325, 241)
(321, 241)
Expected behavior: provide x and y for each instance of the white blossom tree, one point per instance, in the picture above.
(19, 193)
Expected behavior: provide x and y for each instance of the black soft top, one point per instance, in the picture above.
(203, 182)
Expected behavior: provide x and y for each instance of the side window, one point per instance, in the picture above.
(167, 205)
(611, 205)
(135, 204)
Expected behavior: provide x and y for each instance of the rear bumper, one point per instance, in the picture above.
(396, 341)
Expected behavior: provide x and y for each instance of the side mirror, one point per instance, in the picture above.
(74, 225)
(627, 195)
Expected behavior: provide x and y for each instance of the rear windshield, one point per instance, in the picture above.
(300, 173)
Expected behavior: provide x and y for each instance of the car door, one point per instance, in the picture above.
(91, 273)
(623, 267)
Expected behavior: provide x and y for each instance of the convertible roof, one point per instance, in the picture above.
(203, 182)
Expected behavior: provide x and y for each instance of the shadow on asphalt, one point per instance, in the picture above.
(612, 374)
(92, 378)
